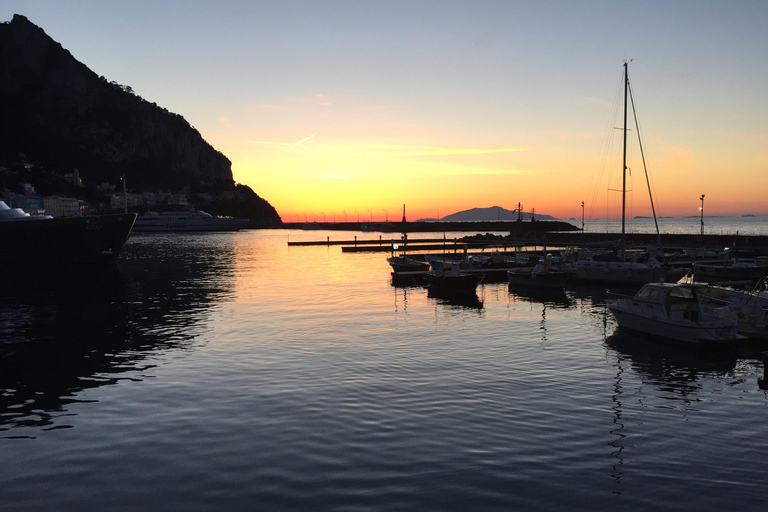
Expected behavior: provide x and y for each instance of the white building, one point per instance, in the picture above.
(57, 206)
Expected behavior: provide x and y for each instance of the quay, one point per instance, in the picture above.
(738, 245)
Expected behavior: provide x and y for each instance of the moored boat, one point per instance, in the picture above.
(729, 271)
(538, 277)
(33, 241)
(751, 306)
(681, 312)
(621, 269)
(403, 263)
(450, 278)
(192, 220)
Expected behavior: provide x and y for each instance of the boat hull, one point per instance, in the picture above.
(524, 278)
(619, 273)
(643, 318)
(464, 283)
(63, 241)
(165, 226)
(717, 273)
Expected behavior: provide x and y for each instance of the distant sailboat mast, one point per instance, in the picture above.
(624, 166)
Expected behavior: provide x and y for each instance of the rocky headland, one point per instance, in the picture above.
(58, 116)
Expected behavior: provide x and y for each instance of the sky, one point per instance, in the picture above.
(347, 110)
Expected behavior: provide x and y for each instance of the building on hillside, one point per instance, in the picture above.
(118, 201)
(57, 206)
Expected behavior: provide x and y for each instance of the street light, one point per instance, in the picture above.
(369, 211)
(582, 216)
(386, 215)
(702, 214)
(358, 216)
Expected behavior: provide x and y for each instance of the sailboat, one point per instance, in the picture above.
(617, 269)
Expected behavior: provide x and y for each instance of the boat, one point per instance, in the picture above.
(540, 276)
(677, 311)
(192, 220)
(403, 263)
(751, 306)
(619, 269)
(729, 271)
(35, 241)
(450, 278)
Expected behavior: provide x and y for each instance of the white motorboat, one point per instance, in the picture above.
(192, 220)
(751, 305)
(681, 312)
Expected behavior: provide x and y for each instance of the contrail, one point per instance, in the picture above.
(305, 139)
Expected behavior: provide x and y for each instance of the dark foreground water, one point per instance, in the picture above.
(232, 372)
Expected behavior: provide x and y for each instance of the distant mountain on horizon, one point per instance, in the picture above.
(487, 214)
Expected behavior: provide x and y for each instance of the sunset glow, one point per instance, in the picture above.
(354, 109)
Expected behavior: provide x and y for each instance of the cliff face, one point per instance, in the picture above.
(58, 112)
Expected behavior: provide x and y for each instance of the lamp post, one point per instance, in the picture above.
(702, 216)
(386, 215)
(582, 216)
(358, 216)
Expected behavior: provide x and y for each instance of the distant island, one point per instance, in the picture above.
(66, 132)
(494, 213)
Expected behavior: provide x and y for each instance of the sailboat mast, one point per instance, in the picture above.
(624, 165)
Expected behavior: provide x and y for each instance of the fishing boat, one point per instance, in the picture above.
(680, 312)
(450, 278)
(35, 241)
(192, 220)
(622, 270)
(403, 263)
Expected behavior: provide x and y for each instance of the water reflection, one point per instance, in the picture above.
(468, 300)
(673, 368)
(68, 330)
(555, 297)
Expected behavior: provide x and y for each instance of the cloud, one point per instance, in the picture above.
(225, 121)
(289, 145)
(462, 151)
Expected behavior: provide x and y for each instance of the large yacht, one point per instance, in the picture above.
(33, 241)
(192, 220)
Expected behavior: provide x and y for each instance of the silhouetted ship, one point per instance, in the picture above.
(32, 241)
(192, 220)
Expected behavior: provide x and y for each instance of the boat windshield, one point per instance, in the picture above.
(649, 293)
(682, 292)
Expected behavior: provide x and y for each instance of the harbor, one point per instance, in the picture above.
(209, 340)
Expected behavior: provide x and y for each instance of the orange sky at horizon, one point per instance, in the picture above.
(320, 158)
(313, 178)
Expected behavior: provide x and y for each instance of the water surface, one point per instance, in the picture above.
(232, 372)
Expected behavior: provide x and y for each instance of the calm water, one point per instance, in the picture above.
(232, 372)
(754, 225)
